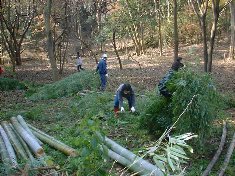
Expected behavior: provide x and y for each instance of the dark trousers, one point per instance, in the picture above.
(103, 81)
(116, 102)
(165, 93)
(79, 67)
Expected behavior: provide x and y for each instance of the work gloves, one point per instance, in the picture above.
(132, 109)
(122, 109)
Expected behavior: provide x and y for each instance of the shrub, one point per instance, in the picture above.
(7, 84)
(91, 158)
(68, 86)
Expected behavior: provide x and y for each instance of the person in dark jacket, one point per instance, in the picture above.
(102, 69)
(162, 84)
(124, 91)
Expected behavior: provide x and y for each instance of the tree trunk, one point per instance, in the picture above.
(200, 10)
(232, 44)
(50, 43)
(159, 28)
(176, 38)
(204, 37)
(115, 49)
(216, 12)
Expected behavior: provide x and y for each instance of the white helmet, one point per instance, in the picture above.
(104, 56)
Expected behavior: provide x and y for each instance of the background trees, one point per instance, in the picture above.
(16, 19)
(90, 25)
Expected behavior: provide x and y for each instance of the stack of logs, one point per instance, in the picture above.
(19, 140)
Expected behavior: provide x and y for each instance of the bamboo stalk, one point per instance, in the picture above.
(125, 162)
(53, 142)
(25, 126)
(10, 150)
(14, 141)
(218, 152)
(228, 156)
(31, 142)
(143, 164)
(25, 146)
(4, 156)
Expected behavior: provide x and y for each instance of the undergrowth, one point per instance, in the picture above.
(69, 86)
(7, 84)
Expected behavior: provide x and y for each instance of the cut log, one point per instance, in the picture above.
(125, 162)
(26, 148)
(14, 141)
(25, 126)
(228, 156)
(218, 152)
(31, 142)
(4, 155)
(10, 150)
(53, 142)
(143, 164)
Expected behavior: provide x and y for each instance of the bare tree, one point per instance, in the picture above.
(115, 48)
(176, 38)
(201, 9)
(158, 19)
(232, 44)
(15, 20)
(50, 43)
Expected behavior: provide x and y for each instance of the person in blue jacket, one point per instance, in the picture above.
(124, 91)
(102, 69)
(162, 84)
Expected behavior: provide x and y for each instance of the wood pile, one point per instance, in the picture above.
(22, 142)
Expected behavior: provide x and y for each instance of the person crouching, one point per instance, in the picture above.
(124, 91)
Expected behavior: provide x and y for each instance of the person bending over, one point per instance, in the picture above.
(124, 91)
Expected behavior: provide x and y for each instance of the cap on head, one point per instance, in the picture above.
(104, 55)
(177, 64)
(179, 59)
(127, 87)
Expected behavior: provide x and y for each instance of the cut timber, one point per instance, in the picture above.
(14, 141)
(4, 156)
(10, 150)
(53, 142)
(218, 152)
(25, 126)
(125, 162)
(26, 148)
(143, 164)
(32, 143)
(228, 156)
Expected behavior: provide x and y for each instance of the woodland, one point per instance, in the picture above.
(55, 120)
